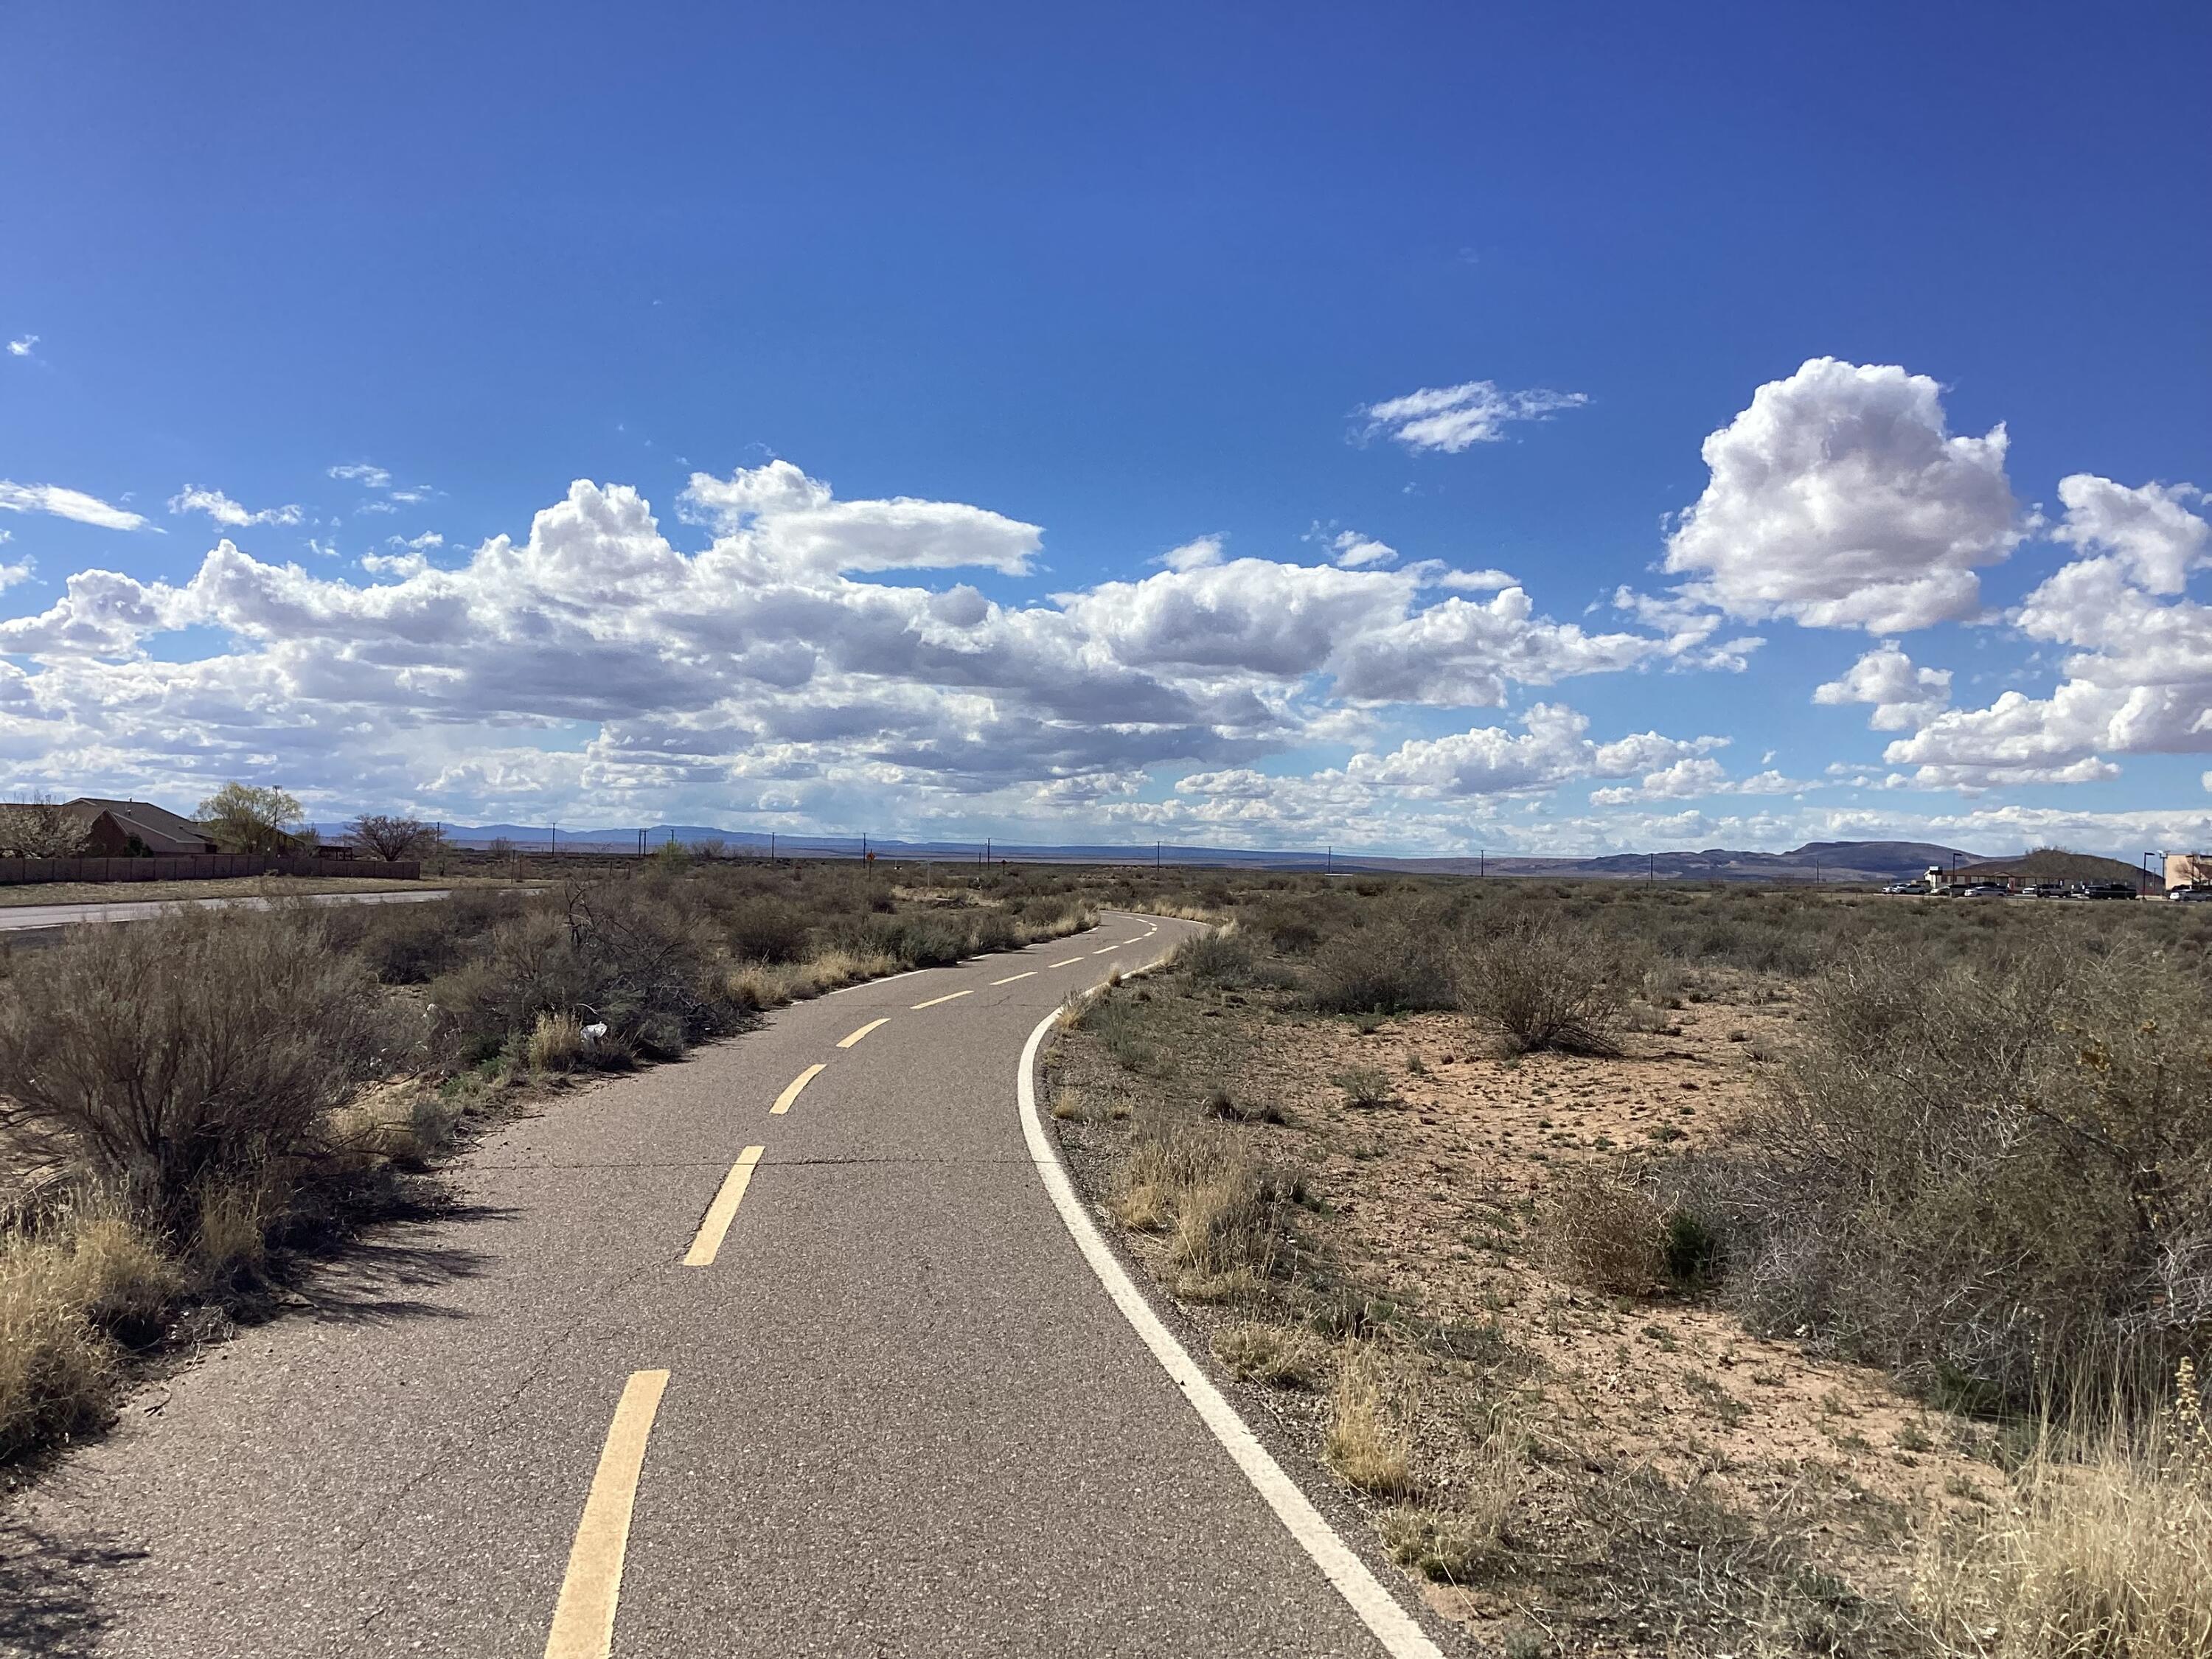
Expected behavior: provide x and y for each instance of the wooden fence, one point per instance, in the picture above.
(197, 866)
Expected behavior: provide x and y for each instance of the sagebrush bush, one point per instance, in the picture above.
(1993, 1176)
(170, 1054)
(1399, 962)
(412, 944)
(766, 930)
(644, 964)
(1536, 982)
(1218, 957)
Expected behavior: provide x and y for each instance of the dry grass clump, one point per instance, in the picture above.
(556, 1042)
(1366, 1443)
(1279, 1356)
(1602, 1231)
(84, 1271)
(172, 1053)
(2104, 1550)
(1539, 982)
(1454, 1545)
(1222, 1207)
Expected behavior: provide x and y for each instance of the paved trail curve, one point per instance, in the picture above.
(785, 1350)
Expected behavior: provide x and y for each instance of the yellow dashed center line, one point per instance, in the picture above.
(584, 1617)
(847, 1042)
(1011, 978)
(933, 1001)
(723, 1210)
(791, 1090)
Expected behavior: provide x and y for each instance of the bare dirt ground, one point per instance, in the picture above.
(1667, 1481)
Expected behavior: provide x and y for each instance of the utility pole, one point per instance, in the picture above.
(557, 840)
(1650, 867)
(1481, 862)
(1328, 867)
(1156, 854)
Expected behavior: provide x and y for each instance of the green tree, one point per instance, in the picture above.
(245, 818)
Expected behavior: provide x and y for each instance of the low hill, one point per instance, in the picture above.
(2053, 864)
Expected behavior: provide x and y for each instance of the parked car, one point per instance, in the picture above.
(2191, 896)
(1907, 887)
(1986, 889)
(2107, 889)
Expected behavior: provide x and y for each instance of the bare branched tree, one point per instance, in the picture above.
(392, 838)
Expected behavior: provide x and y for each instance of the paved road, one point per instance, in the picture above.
(25, 918)
(881, 1406)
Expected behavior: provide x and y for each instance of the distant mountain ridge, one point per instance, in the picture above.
(1844, 861)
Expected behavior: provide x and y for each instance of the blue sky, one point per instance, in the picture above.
(927, 337)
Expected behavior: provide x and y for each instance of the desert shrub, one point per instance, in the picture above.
(175, 1052)
(643, 964)
(1223, 1207)
(1399, 961)
(917, 941)
(766, 930)
(1120, 1025)
(992, 931)
(1993, 1176)
(413, 943)
(55, 1367)
(1365, 1086)
(1219, 957)
(1535, 982)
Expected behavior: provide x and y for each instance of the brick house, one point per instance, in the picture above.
(127, 829)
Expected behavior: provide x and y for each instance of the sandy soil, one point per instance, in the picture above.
(1660, 1434)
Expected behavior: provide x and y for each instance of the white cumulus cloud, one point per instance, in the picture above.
(1840, 498)
(1904, 696)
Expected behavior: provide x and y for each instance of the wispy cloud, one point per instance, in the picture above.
(224, 511)
(1456, 418)
(67, 504)
(21, 347)
(361, 472)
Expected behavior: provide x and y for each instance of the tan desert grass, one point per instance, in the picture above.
(1279, 1356)
(2103, 1550)
(60, 1289)
(1365, 1442)
(556, 1042)
(230, 1240)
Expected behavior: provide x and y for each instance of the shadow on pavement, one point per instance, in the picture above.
(49, 1589)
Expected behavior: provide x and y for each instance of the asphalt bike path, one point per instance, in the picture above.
(688, 1373)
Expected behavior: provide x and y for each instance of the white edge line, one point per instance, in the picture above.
(1401, 1637)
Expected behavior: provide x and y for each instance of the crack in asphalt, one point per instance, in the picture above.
(493, 1419)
